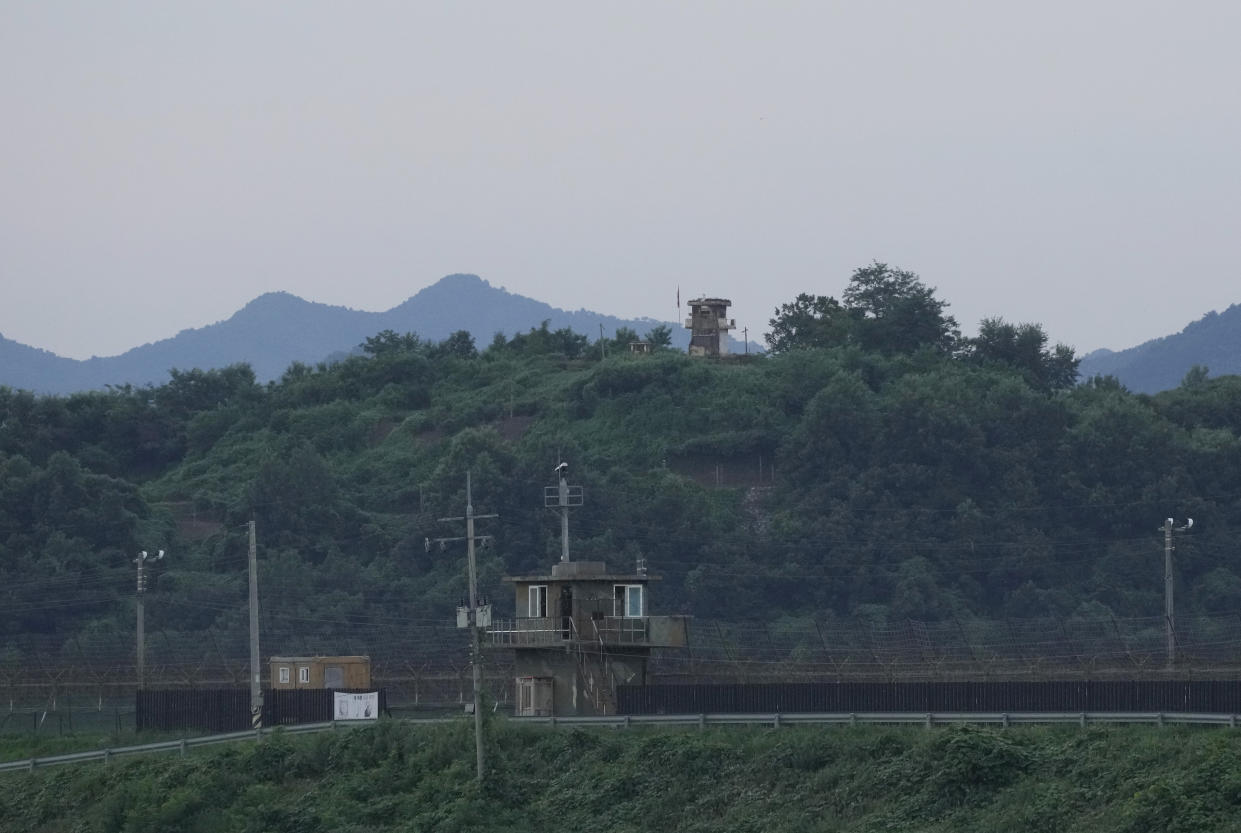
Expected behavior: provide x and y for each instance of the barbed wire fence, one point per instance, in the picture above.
(426, 664)
(1044, 648)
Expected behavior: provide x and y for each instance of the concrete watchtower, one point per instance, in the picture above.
(709, 324)
(581, 629)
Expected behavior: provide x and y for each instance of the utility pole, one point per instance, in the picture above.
(141, 632)
(141, 629)
(603, 347)
(745, 334)
(1169, 611)
(256, 692)
(477, 617)
(562, 497)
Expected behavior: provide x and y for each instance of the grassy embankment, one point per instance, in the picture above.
(399, 777)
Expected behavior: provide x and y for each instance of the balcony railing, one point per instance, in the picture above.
(531, 632)
(536, 632)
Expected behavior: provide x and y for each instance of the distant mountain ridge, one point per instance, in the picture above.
(278, 328)
(1213, 341)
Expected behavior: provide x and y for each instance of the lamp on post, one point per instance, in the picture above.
(141, 635)
(1168, 609)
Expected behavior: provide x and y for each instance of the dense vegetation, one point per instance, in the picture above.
(865, 470)
(399, 777)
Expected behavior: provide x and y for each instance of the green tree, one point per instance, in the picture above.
(388, 341)
(458, 345)
(1023, 347)
(542, 340)
(895, 312)
(1195, 377)
(189, 391)
(659, 336)
(809, 321)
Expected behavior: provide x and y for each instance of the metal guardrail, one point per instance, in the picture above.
(183, 745)
(891, 718)
(701, 721)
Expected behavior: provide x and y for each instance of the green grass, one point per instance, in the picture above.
(22, 745)
(397, 777)
(30, 745)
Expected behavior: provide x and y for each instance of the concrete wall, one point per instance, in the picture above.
(667, 631)
(561, 666)
(569, 693)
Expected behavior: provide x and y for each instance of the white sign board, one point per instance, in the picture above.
(356, 706)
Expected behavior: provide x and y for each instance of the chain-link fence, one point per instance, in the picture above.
(427, 665)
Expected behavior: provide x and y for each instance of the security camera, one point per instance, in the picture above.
(562, 469)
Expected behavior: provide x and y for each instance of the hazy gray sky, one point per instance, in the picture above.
(1072, 163)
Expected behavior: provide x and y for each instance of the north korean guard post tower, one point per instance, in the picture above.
(582, 629)
(709, 324)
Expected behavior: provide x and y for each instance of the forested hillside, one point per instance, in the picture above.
(1213, 343)
(852, 475)
(277, 329)
(397, 777)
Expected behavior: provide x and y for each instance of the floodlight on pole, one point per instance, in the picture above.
(140, 634)
(1168, 607)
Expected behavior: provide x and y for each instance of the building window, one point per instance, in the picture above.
(628, 601)
(538, 602)
(303, 674)
(284, 673)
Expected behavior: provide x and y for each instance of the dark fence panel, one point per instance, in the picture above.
(213, 710)
(228, 709)
(289, 706)
(1218, 696)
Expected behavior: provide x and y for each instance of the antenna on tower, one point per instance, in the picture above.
(562, 496)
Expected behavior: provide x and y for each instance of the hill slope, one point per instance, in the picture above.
(1213, 341)
(275, 330)
(400, 777)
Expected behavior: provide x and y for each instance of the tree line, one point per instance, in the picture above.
(883, 467)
